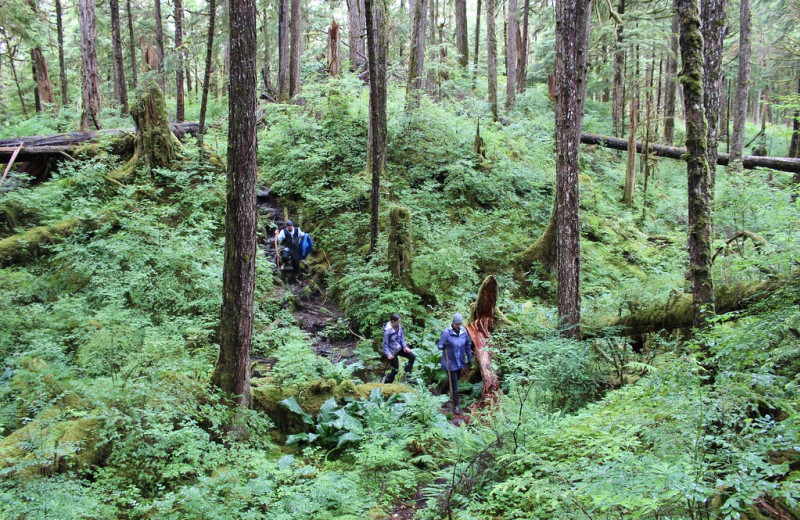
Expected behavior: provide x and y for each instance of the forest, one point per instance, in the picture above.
(223, 223)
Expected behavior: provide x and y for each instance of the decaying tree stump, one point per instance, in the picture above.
(156, 145)
(483, 317)
(400, 250)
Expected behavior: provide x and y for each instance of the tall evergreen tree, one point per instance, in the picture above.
(120, 87)
(743, 84)
(91, 80)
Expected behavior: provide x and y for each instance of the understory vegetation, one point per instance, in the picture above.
(108, 334)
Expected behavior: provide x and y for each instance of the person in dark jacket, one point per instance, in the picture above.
(394, 345)
(289, 238)
(456, 348)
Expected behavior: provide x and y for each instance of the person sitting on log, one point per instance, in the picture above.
(456, 348)
(290, 238)
(394, 345)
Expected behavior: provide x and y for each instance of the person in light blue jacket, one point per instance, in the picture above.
(394, 345)
(456, 348)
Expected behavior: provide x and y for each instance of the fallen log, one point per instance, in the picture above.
(785, 164)
(38, 146)
(482, 319)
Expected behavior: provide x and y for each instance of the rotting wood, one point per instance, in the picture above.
(41, 145)
(785, 164)
(482, 319)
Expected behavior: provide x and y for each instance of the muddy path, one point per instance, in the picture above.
(313, 310)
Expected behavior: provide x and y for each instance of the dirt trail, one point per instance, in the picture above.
(313, 310)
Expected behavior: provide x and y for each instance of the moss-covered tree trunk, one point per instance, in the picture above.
(400, 247)
(691, 77)
(376, 159)
(91, 80)
(543, 250)
(491, 56)
(156, 145)
(630, 169)
(416, 55)
(670, 89)
(743, 83)
(232, 371)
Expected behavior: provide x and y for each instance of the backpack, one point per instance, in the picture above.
(306, 245)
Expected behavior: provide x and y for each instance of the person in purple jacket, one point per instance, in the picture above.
(394, 345)
(456, 348)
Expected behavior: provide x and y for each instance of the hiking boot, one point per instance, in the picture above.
(411, 381)
(457, 410)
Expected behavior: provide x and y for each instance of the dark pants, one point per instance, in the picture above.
(395, 363)
(453, 386)
(289, 255)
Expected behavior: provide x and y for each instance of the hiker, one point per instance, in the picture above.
(456, 350)
(394, 345)
(289, 237)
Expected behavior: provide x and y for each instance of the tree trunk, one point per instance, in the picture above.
(160, 44)
(522, 68)
(572, 41)
(462, 41)
(671, 87)
(400, 246)
(477, 39)
(794, 146)
(179, 101)
(355, 33)
(297, 51)
(61, 66)
(630, 170)
(334, 55)
(133, 45)
(691, 44)
(16, 78)
(491, 56)
(283, 51)
(212, 13)
(232, 371)
(43, 86)
(543, 251)
(743, 85)
(376, 47)
(416, 55)
(511, 55)
(91, 81)
(713, 26)
(120, 88)
(618, 97)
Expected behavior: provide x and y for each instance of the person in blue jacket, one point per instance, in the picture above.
(456, 350)
(394, 345)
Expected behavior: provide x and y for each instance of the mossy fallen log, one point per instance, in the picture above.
(266, 397)
(29, 244)
(676, 312)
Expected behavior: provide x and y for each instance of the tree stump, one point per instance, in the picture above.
(156, 145)
(400, 251)
(482, 318)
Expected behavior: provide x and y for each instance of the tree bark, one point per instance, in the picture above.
(212, 13)
(376, 163)
(671, 88)
(133, 45)
(511, 55)
(482, 320)
(283, 51)
(462, 41)
(43, 86)
(61, 66)
(232, 371)
(297, 50)
(334, 54)
(355, 33)
(630, 170)
(477, 39)
(794, 146)
(400, 251)
(573, 18)
(156, 145)
(522, 68)
(179, 100)
(691, 77)
(160, 43)
(713, 23)
(743, 84)
(91, 81)
(491, 56)
(416, 55)
(120, 88)
(618, 96)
